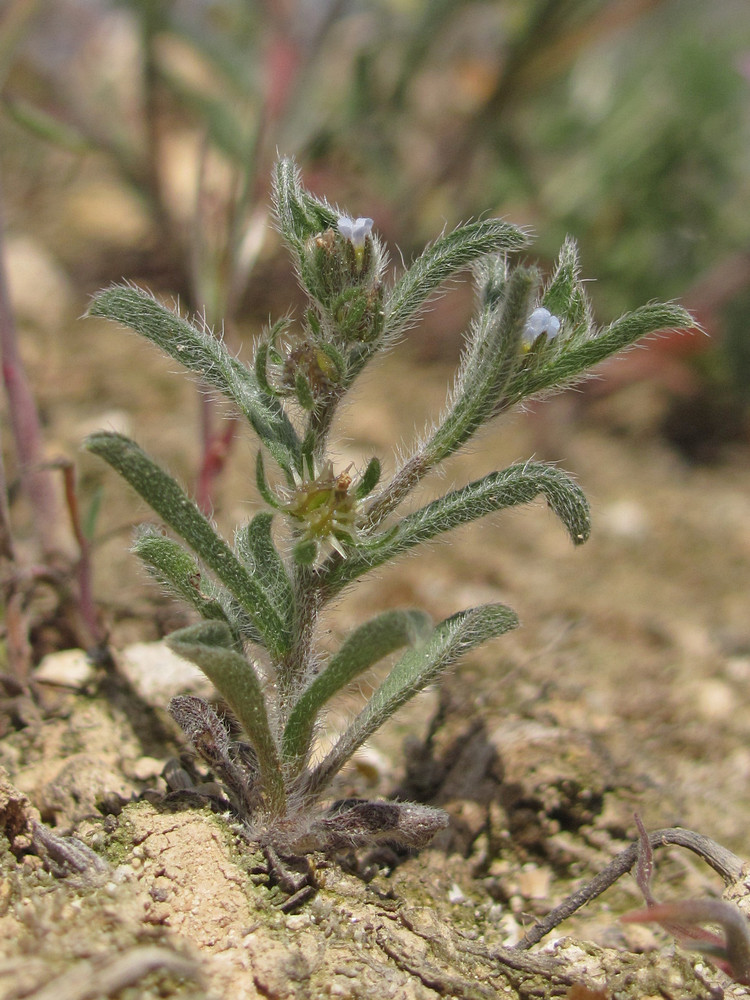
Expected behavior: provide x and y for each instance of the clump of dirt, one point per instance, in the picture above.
(184, 910)
(186, 907)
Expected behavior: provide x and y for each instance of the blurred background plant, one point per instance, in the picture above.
(136, 138)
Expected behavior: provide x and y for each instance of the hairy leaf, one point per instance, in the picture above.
(416, 669)
(365, 646)
(177, 569)
(563, 294)
(569, 362)
(258, 554)
(208, 646)
(370, 478)
(298, 213)
(441, 260)
(165, 496)
(492, 356)
(206, 356)
(515, 485)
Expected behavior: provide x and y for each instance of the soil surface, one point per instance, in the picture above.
(625, 690)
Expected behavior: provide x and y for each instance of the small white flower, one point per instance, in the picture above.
(355, 230)
(539, 322)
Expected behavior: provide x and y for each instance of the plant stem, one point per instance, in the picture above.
(216, 449)
(7, 549)
(406, 479)
(85, 596)
(294, 670)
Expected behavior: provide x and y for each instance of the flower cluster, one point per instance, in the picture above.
(325, 508)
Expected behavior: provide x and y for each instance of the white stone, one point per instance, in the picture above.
(534, 883)
(455, 894)
(40, 291)
(145, 768)
(69, 668)
(158, 674)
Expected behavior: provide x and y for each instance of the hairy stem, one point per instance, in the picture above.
(294, 669)
(406, 479)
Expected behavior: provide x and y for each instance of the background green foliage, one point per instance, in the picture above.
(626, 124)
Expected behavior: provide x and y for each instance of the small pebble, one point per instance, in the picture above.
(455, 894)
(534, 883)
(145, 768)
(158, 674)
(69, 668)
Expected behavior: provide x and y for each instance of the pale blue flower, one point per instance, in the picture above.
(540, 321)
(355, 230)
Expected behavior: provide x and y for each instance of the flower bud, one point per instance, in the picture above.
(341, 269)
(326, 508)
(313, 364)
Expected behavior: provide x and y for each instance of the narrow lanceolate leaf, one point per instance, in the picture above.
(416, 669)
(208, 646)
(492, 355)
(255, 549)
(298, 213)
(563, 294)
(441, 260)
(262, 483)
(180, 571)
(365, 646)
(165, 496)
(515, 485)
(370, 479)
(569, 364)
(205, 355)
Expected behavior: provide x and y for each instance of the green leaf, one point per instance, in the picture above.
(563, 295)
(260, 363)
(177, 569)
(416, 669)
(490, 360)
(165, 496)
(441, 260)
(91, 517)
(571, 360)
(262, 483)
(226, 125)
(204, 354)
(515, 485)
(299, 214)
(303, 392)
(370, 479)
(305, 552)
(254, 546)
(208, 646)
(332, 353)
(364, 647)
(45, 126)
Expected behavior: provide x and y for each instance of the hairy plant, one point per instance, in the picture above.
(260, 598)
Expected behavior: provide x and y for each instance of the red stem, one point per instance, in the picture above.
(214, 459)
(86, 603)
(25, 425)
